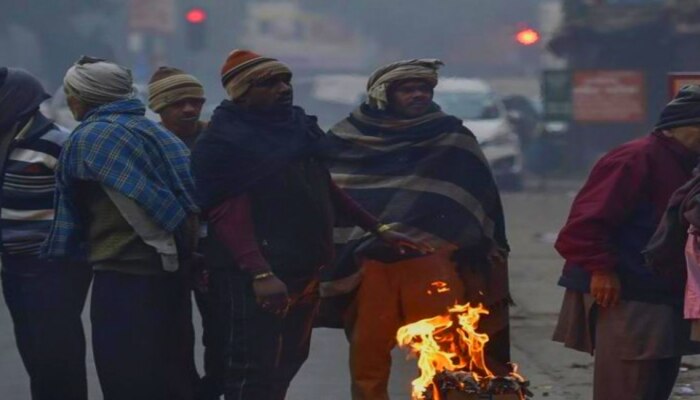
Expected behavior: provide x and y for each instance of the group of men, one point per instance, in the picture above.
(258, 212)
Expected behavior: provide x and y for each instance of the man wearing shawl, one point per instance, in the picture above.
(124, 201)
(45, 298)
(270, 205)
(406, 161)
(614, 306)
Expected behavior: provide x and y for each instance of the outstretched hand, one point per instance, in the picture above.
(401, 242)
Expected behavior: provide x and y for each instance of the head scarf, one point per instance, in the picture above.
(683, 110)
(378, 84)
(20, 96)
(96, 81)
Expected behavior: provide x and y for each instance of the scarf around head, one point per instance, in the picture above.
(96, 81)
(21, 94)
(239, 148)
(380, 81)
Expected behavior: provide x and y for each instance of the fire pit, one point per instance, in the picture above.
(450, 354)
(463, 385)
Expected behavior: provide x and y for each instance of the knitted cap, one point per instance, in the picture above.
(237, 61)
(243, 67)
(169, 85)
(683, 110)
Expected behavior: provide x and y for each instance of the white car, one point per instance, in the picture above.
(473, 101)
(57, 109)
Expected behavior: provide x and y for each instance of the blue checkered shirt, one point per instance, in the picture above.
(116, 146)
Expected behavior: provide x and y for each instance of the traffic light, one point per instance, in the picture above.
(527, 37)
(196, 28)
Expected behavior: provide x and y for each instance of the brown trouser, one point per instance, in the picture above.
(621, 378)
(638, 346)
(392, 295)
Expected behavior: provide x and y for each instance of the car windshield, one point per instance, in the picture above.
(468, 105)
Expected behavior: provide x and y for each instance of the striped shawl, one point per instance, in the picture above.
(427, 177)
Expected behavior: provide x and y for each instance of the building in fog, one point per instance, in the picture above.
(649, 38)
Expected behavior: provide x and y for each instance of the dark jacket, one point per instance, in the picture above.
(269, 159)
(293, 219)
(616, 213)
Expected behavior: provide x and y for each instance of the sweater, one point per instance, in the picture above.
(616, 213)
(28, 185)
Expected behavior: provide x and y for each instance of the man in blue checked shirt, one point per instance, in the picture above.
(125, 201)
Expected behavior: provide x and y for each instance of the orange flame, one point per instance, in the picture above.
(438, 287)
(446, 343)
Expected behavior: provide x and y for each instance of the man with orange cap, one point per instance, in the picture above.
(271, 205)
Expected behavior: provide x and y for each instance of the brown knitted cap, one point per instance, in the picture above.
(169, 85)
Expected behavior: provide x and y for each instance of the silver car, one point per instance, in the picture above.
(473, 101)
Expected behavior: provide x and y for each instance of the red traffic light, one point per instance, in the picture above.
(196, 16)
(527, 37)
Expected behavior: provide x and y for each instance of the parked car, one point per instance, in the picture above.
(485, 115)
(57, 109)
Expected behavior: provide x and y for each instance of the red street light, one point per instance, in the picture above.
(527, 37)
(196, 16)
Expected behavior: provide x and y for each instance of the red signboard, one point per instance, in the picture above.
(609, 96)
(156, 16)
(677, 80)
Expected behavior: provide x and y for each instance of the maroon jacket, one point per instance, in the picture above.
(616, 213)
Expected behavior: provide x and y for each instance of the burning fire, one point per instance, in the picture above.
(450, 343)
(445, 343)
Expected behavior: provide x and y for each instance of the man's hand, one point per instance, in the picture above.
(402, 242)
(605, 288)
(271, 294)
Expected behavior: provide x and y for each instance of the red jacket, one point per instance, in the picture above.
(617, 211)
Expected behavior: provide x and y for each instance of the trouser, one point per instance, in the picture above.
(393, 295)
(45, 306)
(623, 379)
(215, 332)
(140, 335)
(264, 351)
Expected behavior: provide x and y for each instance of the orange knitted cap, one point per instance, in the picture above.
(237, 61)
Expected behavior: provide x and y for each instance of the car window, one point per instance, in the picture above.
(469, 105)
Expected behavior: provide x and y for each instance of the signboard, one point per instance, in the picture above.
(557, 95)
(158, 16)
(609, 96)
(677, 80)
